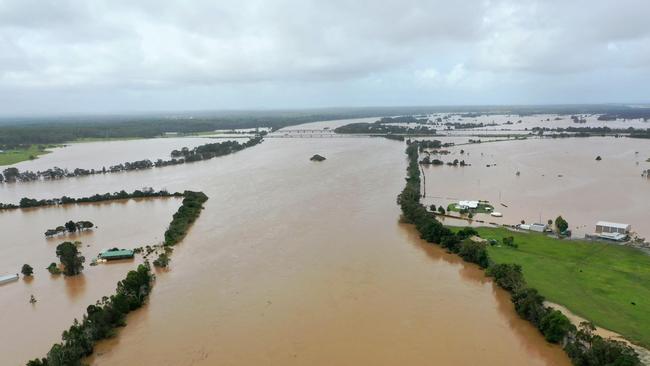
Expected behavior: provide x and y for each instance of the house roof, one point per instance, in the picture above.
(613, 224)
(116, 253)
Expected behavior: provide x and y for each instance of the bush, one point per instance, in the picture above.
(27, 270)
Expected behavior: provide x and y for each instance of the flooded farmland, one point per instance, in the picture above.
(556, 177)
(297, 262)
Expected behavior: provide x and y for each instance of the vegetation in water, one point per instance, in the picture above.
(185, 155)
(27, 270)
(100, 320)
(53, 269)
(121, 195)
(317, 157)
(529, 304)
(379, 128)
(186, 215)
(71, 258)
(70, 227)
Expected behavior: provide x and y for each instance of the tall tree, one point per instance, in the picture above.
(71, 258)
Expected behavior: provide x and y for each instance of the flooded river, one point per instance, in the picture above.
(291, 262)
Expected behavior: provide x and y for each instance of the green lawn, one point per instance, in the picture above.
(596, 281)
(10, 157)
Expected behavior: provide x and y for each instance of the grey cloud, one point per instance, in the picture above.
(125, 47)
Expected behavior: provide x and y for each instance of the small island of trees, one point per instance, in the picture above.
(70, 227)
(71, 258)
(317, 158)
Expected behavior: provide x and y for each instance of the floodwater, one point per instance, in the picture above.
(30, 330)
(98, 154)
(291, 262)
(557, 177)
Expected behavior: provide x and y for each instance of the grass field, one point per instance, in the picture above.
(9, 157)
(607, 284)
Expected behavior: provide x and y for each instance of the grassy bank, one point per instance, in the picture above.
(9, 157)
(605, 283)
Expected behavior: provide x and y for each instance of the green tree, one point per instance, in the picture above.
(27, 270)
(441, 210)
(555, 326)
(71, 226)
(71, 258)
(53, 269)
(561, 225)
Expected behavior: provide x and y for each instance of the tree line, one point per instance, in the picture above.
(100, 321)
(583, 347)
(185, 155)
(380, 127)
(70, 227)
(144, 193)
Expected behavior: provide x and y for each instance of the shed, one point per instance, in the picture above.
(116, 254)
(612, 227)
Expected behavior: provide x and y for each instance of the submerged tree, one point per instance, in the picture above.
(27, 270)
(71, 258)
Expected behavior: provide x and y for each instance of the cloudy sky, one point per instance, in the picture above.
(96, 56)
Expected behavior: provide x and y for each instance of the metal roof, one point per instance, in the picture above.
(613, 224)
(116, 253)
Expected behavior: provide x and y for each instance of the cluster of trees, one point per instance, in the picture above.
(466, 125)
(70, 227)
(71, 258)
(589, 131)
(529, 304)
(428, 161)
(183, 218)
(185, 155)
(584, 349)
(100, 320)
(188, 212)
(381, 128)
(209, 151)
(402, 119)
(144, 193)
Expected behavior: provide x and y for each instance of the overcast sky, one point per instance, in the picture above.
(94, 56)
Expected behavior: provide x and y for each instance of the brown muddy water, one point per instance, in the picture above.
(557, 177)
(291, 262)
(29, 330)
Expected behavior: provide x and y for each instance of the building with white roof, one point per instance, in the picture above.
(468, 204)
(612, 227)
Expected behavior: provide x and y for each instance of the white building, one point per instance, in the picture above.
(468, 204)
(613, 230)
(612, 227)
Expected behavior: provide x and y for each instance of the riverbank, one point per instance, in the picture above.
(580, 343)
(605, 283)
